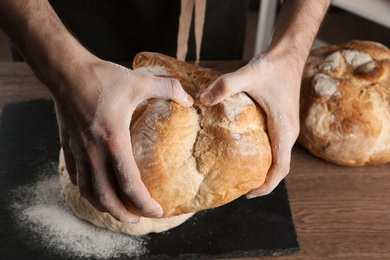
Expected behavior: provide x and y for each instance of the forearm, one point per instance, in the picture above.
(296, 27)
(45, 43)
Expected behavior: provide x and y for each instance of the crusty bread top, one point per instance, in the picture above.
(345, 103)
(201, 157)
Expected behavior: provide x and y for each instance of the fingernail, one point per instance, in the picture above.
(207, 98)
(190, 100)
(251, 196)
(159, 211)
(258, 193)
(156, 211)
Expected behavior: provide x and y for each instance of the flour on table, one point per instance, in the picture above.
(43, 216)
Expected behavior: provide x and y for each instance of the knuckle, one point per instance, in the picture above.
(172, 87)
(100, 135)
(113, 143)
(294, 127)
(282, 166)
(225, 85)
(128, 188)
(98, 131)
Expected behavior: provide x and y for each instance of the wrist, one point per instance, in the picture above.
(288, 57)
(295, 30)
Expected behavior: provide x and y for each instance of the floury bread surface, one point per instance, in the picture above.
(201, 157)
(345, 103)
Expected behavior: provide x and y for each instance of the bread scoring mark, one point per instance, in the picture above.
(366, 68)
(325, 85)
(356, 58)
(371, 71)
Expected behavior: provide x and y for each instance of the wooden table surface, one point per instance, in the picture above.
(339, 212)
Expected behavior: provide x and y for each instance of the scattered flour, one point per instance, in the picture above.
(40, 210)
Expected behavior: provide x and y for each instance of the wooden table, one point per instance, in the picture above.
(339, 212)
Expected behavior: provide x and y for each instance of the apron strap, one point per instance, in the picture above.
(187, 9)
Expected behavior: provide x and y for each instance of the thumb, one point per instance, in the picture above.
(169, 89)
(225, 86)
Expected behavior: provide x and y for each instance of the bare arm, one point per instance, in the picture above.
(43, 40)
(296, 26)
(273, 79)
(94, 102)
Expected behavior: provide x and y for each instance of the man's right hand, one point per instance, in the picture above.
(94, 111)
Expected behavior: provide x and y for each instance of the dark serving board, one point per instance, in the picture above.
(243, 228)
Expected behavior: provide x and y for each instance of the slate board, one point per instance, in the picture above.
(243, 228)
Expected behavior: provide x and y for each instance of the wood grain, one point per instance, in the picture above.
(340, 212)
(17, 82)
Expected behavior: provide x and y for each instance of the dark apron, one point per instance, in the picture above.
(118, 29)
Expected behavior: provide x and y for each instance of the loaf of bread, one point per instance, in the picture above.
(200, 157)
(196, 158)
(345, 103)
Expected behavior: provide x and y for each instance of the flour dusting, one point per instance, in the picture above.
(41, 213)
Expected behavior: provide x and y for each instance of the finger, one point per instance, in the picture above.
(282, 140)
(225, 86)
(129, 178)
(66, 142)
(105, 188)
(84, 180)
(168, 89)
(276, 174)
(69, 162)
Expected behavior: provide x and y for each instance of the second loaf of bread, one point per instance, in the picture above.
(345, 103)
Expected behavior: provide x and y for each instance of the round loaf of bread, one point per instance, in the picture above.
(200, 157)
(345, 103)
(191, 159)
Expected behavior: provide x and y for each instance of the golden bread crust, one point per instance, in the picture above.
(345, 103)
(200, 157)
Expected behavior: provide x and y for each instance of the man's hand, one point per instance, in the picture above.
(275, 87)
(94, 103)
(273, 80)
(94, 115)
